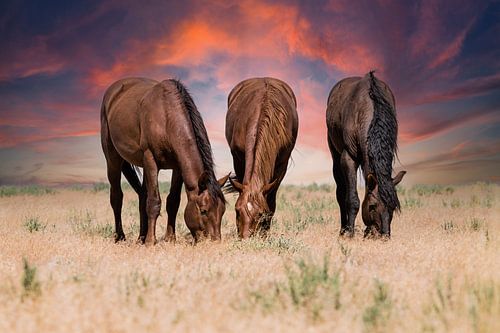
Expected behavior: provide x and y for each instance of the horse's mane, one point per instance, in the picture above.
(272, 134)
(202, 141)
(382, 142)
(271, 137)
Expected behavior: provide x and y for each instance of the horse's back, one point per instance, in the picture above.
(121, 116)
(245, 106)
(129, 88)
(350, 112)
(349, 109)
(255, 87)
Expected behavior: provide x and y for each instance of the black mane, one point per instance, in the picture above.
(202, 141)
(382, 143)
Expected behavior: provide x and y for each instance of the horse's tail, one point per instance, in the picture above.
(130, 172)
(384, 123)
(382, 141)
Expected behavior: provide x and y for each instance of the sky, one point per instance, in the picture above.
(440, 58)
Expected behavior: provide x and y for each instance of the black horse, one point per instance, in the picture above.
(362, 131)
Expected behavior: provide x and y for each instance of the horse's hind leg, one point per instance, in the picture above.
(140, 189)
(338, 175)
(349, 168)
(114, 169)
(173, 202)
(153, 201)
(116, 196)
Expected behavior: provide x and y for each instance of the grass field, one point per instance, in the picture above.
(61, 272)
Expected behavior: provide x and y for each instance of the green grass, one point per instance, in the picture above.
(280, 244)
(29, 282)
(104, 187)
(307, 278)
(456, 203)
(314, 187)
(411, 202)
(33, 224)
(377, 314)
(448, 226)
(427, 190)
(309, 287)
(482, 300)
(475, 224)
(84, 222)
(9, 191)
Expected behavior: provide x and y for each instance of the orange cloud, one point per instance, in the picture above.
(257, 30)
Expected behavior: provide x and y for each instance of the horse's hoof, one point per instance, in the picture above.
(150, 242)
(346, 233)
(169, 238)
(140, 240)
(119, 237)
(385, 237)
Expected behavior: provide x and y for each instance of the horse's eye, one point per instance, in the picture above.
(203, 212)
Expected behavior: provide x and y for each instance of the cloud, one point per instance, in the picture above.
(465, 89)
(427, 124)
(60, 64)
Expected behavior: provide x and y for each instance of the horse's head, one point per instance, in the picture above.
(205, 207)
(377, 215)
(251, 207)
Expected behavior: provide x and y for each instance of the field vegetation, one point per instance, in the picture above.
(60, 270)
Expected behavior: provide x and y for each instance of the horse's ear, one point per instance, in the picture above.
(202, 182)
(371, 182)
(396, 180)
(237, 185)
(269, 187)
(223, 180)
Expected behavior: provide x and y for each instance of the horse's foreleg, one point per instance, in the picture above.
(271, 203)
(349, 168)
(173, 202)
(143, 226)
(153, 201)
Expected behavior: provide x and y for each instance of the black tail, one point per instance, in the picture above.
(129, 171)
(382, 142)
(228, 187)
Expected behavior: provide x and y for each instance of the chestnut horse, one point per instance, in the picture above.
(261, 130)
(156, 125)
(362, 130)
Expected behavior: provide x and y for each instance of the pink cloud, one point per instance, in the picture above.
(430, 124)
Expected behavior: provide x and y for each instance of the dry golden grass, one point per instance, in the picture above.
(439, 272)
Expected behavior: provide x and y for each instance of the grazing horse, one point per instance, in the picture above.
(261, 130)
(362, 130)
(156, 125)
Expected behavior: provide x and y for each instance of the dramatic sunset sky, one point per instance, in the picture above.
(441, 59)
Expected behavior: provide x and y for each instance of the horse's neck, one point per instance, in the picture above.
(191, 166)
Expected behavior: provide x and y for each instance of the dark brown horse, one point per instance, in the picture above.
(155, 125)
(362, 130)
(261, 130)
